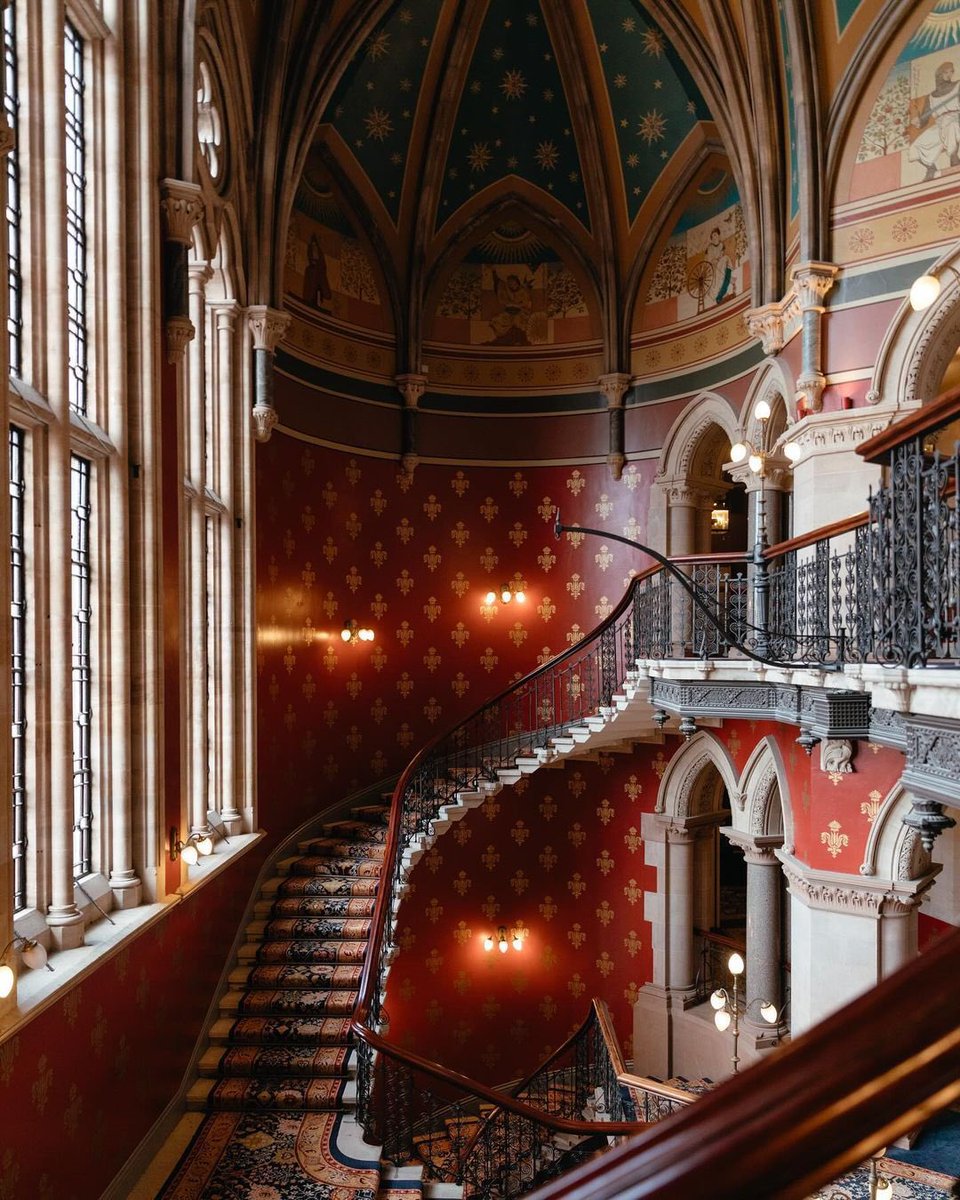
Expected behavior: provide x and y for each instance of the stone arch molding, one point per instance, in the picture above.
(708, 410)
(773, 384)
(762, 807)
(917, 347)
(894, 850)
(681, 791)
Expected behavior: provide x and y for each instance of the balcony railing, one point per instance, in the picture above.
(879, 588)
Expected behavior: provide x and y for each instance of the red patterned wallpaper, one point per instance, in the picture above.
(96, 1069)
(344, 537)
(560, 854)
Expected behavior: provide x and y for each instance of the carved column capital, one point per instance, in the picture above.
(178, 331)
(809, 394)
(766, 323)
(411, 387)
(758, 849)
(265, 417)
(811, 281)
(613, 387)
(181, 207)
(267, 326)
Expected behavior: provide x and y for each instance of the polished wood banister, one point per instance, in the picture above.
(463, 1083)
(609, 1035)
(927, 419)
(802, 540)
(656, 1088)
(810, 1110)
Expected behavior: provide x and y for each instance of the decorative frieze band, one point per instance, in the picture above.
(853, 897)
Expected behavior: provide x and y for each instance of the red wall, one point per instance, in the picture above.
(91, 1074)
(344, 537)
(560, 853)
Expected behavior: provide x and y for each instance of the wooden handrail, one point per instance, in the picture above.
(802, 540)
(810, 1110)
(923, 420)
(656, 1088)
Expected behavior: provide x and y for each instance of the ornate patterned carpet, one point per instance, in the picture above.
(279, 1094)
(907, 1182)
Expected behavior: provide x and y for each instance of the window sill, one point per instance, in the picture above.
(37, 990)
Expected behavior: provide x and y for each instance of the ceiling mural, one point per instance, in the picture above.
(912, 135)
(791, 112)
(845, 10)
(653, 99)
(512, 289)
(374, 107)
(328, 272)
(703, 265)
(513, 118)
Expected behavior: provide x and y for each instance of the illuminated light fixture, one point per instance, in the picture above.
(34, 956)
(506, 595)
(726, 1007)
(197, 846)
(738, 452)
(755, 463)
(502, 941)
(926, 289)
(353, 632)
(719, 517)
(761, 410)
(792, 451)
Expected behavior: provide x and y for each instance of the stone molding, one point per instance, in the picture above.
(852, 896)
(265, 418)
(614, 387)
(811, 281)
(178, 333)
(758, 849)
(836, 432)
(411, 387)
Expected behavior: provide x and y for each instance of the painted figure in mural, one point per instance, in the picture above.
(938, 121)
(718, 258)
(515, 296)
(316, 289)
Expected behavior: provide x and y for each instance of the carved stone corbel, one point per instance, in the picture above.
(411, 386)
(614, 387)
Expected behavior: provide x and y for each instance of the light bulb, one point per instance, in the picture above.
(205, 845)
(518, 942)
(490, 598)
(792, 451)
(506, 595)
(503, 945)
(519, 597)
(722, 1019)
(366, 635)
(6, 980)
(923, 292)
(34, 955)
(761, 410)
(345, 634)
(736, 964)
(755, 463)
(738, 452)
(718, 999)
(769, 1013)
(488, 943)
(189, 854)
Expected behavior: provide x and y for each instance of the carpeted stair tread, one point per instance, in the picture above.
(315, 928)
(285, 1061)
(315, 1030)
(350, 868)
(293, 975)
(313, 1095)
(316, 906)
(326, 885)
(289, 1002)
(329, 847)
(307, 950)
(358, 829)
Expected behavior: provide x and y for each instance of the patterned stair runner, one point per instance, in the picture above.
(276, 1082)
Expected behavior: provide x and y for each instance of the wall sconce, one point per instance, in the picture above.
(353, 632)
(197, 846)
(505, 595)
(727, 1008)
(502, 942)
(34, 956)
(926, 289)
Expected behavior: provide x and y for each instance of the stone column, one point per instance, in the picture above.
(411, 386)
(267, 327)
(196, 651)
(811, 281)
(63, 916)
(681, 961)
(764, 952)
(225, 322)
(614, 387)
(181, 207)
